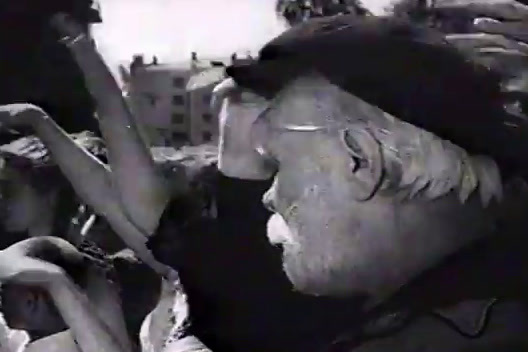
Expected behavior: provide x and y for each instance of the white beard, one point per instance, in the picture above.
(278, 231)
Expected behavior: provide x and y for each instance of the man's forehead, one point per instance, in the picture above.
(314, 99)
(228, 88)
(308, 99)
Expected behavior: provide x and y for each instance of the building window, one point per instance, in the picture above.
(179, 136)
(177, 117)
(207, 117)
(151, 98)
(207, 136)
(177, 100)
(178, 82)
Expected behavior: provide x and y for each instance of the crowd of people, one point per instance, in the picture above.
(393, 150)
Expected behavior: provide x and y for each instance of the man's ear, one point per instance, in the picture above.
(366, 159)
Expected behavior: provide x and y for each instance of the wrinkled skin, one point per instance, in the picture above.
(334, 242)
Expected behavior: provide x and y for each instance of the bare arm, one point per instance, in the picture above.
(89, 177)
(24, 263)
(91, 181)
(142, 189)
(90, 332)
(104, 296)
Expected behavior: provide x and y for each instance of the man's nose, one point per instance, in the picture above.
(268, 200)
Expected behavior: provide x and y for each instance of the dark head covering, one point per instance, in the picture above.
(406, 70)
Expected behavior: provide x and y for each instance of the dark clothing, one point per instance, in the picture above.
(474, 301)
(241, 301)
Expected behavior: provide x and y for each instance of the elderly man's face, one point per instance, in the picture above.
(339, 236)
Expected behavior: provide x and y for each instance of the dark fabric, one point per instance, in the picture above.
(239, 297)
(476, 300)
(240, 300)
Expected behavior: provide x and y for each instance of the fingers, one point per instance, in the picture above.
(509, 63)
(513, 30)
(475, 41)
(500, 9)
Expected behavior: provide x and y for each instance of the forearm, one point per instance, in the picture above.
(90, 332)
(134, 237)
(103, 294)
(144, 195)
(88, 176)
(91, 181)
(112, 109)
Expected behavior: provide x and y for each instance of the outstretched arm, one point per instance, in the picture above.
(88, 176)
(90, 332)
(21, 264)
(142, 188)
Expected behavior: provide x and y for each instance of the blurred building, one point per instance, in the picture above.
(169, 114)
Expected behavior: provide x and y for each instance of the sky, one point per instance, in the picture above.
(172, 29)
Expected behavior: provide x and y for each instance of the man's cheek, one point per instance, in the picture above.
(237, 158)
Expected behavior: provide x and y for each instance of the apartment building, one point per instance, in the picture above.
(170, 115)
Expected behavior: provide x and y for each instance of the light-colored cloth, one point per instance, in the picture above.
(12, 340)
(166, 324)
(186, 344)
(61, 342)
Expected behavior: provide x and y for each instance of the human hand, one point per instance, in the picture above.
(29, 271)
(28, 262)
(19, 114)
(504, 10)
(498, 40)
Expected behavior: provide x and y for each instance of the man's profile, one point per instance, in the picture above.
(393, 182)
